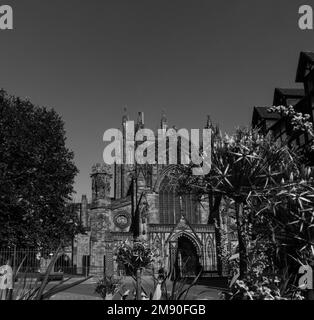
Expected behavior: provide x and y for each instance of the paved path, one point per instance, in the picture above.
(86, 290)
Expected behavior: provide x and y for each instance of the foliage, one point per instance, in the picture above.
(242, 164)
(108, 286)
(283, 217)
(298, 123)
(272, 191)
(262, 282)
(168, 286)
(134, 256)
(261, 288)
(36, 174)
(179, 287)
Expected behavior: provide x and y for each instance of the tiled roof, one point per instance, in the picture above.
(294, 92)
(305, 59)
(287, 96)
(263, 113)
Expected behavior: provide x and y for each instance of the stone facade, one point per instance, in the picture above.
(175, 226)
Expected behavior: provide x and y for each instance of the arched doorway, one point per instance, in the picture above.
(187, 261)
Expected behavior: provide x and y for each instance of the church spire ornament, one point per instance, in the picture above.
(208, 122)
(163, 122)
(125, 117)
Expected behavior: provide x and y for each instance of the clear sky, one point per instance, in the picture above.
(88, 59)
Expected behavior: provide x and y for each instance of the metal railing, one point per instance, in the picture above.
(35, 263)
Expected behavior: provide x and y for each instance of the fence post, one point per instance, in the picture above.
(14, 259)
(138, 284)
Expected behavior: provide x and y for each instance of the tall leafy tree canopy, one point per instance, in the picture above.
(36, 176)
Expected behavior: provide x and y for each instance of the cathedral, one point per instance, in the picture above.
(178, 228)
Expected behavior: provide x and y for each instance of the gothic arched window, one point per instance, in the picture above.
(170, 210)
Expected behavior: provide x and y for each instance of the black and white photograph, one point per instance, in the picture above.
(156, 155)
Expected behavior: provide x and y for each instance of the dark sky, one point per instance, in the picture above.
(88, 59)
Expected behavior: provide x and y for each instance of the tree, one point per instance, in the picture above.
(281, 221)
(36, 176)
(135, 257)
(283, 213)
(241, 164)
(298, 123)
(283, 216)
